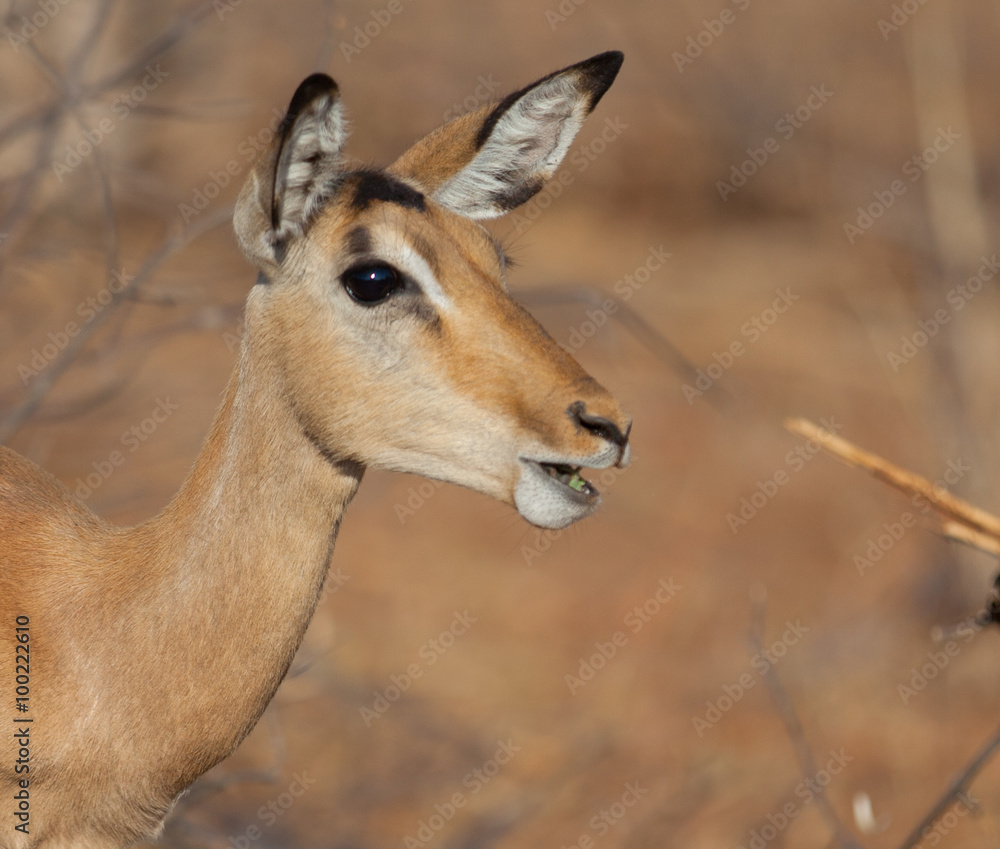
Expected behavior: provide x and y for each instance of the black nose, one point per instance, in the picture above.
(605, 428)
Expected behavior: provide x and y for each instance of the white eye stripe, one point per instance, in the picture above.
(407, 259)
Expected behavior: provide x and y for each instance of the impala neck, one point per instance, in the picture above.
(244, 549)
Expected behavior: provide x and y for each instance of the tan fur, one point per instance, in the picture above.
(155, 649)
(446, 150)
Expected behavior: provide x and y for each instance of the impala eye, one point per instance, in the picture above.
(369, 284)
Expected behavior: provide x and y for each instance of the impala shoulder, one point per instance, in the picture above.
(29, 495)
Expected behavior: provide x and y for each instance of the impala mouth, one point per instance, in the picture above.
(554, 495)
(570, 477)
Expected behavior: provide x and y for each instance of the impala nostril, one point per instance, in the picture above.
(598, 425)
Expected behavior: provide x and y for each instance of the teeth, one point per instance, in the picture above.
(568, 475)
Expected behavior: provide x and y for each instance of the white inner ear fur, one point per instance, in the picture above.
(319, 132)
(526, 146)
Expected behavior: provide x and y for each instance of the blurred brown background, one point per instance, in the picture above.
(119, 119)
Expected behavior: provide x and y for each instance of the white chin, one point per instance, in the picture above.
(546, 502)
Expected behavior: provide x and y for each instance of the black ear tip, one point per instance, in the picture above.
(600, 71)
(311, 88)
(610, 58)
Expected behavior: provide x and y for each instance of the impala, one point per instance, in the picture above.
(379, 334)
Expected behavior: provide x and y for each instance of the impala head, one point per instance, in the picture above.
(382, 301)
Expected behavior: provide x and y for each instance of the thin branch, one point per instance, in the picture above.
(109, 219)
(803, 753)
(50, 70)
(941, 500)
(959, 783)
(14, 420)
(133, 353)
(89, 41)
(26, 186)
(184, 23)
(29, 121)
(43, 115)
(28, 183)
(647, 335)
(964, 534)
(220, 110)
(49, 118)
(333, 27)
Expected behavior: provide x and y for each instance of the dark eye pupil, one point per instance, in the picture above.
(371, 284)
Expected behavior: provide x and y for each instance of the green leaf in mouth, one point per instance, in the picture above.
(569, 475)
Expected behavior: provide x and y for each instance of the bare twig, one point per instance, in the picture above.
(957, 221)
(109, 221)
(13, 421)
(34, 118)
(184, 23)
(334, 26)
(49, 119)
(958, 784)
(132, 354)
(803, 753)
(27, 184)
(647, 335)
(209, 110)
(964, 534)
(43, 115)
(86, 45)
(944, 502)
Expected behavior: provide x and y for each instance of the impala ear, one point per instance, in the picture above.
(296, 174)
(487, 162)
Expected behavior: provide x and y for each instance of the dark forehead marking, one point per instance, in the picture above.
(377, 186)
(359, 241)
